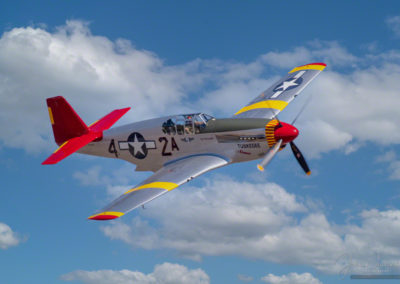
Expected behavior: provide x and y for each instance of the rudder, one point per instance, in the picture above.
(65, 121)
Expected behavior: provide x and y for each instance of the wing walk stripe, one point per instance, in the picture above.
(275, 104)
(158, 184)
(314, 66)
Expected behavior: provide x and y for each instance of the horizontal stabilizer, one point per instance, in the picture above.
(107, 121)
(70, 147)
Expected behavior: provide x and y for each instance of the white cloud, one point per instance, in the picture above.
(94, 73)
(166, 273)
(91, 177)
(116, 180)
(329, 52)
(245, 278)
(8, 238)
(321, 137)
(258, 221)
(195, 227)
(388, 156)
(394, 24)
(291, 278)
(393, 168)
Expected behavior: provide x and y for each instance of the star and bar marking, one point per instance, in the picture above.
(137, 145)
(288, 84)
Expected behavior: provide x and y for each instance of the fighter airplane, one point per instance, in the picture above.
(178, 148)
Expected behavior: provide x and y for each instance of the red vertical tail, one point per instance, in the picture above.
(65, 121)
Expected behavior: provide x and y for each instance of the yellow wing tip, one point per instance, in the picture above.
(308, 173)
(315, 66)
(260, 168)
(106, 216)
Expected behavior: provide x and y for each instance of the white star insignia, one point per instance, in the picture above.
(288, 84)
(137, 146)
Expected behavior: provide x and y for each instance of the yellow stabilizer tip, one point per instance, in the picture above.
(308, 173)
(260, 168)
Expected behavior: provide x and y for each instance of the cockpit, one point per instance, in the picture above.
(186, 124)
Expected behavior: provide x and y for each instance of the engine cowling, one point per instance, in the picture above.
(275, 131)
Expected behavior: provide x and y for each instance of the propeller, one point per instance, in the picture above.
(278, 135)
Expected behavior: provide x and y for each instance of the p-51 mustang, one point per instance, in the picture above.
(178, 148)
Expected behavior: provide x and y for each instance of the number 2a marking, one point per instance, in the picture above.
(174, 146)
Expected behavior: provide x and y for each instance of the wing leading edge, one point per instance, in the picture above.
(273, 100)
(169, 177)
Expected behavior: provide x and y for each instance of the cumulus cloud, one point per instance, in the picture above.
(291, 278)
(93, 72)
(245, 278)
(198, 217)
(91, 177)
(166, 273)
(8, 238)
(116, 180)
(259, 221)
(394, 25)
(323, 135)
(330, 52)
(390, 158)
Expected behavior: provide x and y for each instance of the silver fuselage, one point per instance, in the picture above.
(236, 140)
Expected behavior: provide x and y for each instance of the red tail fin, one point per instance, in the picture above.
(64, 120)
(70, 131)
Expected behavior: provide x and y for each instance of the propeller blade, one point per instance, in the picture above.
(300, 158)
(301, 110)
(270, 154)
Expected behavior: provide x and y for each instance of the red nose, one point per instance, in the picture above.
(286, 132)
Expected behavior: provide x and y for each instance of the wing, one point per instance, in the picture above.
(279, 95)
(172, 175)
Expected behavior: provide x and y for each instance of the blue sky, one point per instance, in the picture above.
(233, 225)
